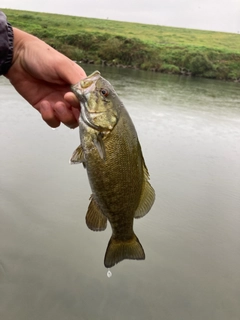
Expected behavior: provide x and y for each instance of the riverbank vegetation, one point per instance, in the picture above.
(148, 47)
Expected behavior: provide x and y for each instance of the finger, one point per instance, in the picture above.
(76, 113)
(48, 114)
(70, 71)
(65, 115)
(72, 100)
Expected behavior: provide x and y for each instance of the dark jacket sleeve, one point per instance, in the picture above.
(6, 44)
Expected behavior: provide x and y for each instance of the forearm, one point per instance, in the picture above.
(6, 44)
(41, 74)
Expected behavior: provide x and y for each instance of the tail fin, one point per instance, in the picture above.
(118, 250)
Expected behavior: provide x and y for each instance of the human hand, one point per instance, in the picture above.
(43, 77)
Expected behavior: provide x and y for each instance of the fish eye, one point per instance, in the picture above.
(104, 92)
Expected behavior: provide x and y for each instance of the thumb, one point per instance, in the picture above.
(70, 71)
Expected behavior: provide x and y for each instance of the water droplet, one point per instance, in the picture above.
(109, 274)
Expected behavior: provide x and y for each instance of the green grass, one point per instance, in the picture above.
(165, 49)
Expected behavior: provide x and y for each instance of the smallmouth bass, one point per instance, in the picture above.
(112, 155)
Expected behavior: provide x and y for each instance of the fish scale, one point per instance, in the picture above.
(111, 153)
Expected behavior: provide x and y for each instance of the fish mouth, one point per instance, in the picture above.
(82, 90)
(85, 86)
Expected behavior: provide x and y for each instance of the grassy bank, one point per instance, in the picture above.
(148, 47)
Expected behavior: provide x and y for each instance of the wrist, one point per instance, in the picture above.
(19, 44)
(20, 41)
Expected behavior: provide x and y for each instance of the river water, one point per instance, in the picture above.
(51, 264)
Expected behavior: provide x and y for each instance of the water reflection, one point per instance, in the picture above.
(51, 265)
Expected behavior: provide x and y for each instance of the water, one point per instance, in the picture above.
(51, 265)
(109, 274)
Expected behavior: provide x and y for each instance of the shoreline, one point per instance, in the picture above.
(170, 50)
(184, 73)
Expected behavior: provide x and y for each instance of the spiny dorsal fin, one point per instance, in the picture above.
(78, 156)
(147, 196)
(95, 219)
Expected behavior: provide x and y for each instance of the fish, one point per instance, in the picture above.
(111, 154)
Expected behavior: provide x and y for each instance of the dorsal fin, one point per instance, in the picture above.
(147, 196)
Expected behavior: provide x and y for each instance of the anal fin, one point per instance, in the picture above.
(95, 219)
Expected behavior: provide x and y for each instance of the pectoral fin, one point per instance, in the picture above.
(147, 196)
(99, 144)
(78, 156)
(95, 219)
